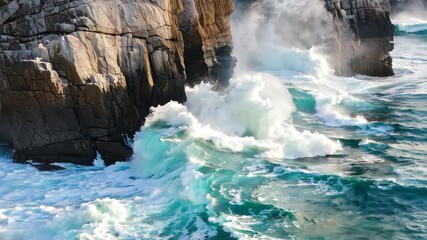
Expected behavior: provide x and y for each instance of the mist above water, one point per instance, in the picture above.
(267, 32)
(409, 12)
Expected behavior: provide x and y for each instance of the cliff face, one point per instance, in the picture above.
(205, 25)
(367, 52)
(78, 75)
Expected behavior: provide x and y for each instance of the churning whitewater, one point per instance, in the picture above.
(287, 151)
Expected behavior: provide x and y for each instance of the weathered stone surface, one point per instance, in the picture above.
(78, 75)
(368, 51)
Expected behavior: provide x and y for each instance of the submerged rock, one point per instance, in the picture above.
(77, 76)
(45, 167)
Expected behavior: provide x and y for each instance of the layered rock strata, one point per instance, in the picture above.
(78, 76)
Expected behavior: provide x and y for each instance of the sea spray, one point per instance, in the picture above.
(216, 185)
(247, 116)
(221, 165)
(273, 42)
(98, 162)
(270, 39)
(411, 12)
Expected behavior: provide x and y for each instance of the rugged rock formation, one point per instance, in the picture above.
(206, 30)
(76, 76)
(368, 51)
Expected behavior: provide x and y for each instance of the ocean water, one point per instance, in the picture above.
(288, 151)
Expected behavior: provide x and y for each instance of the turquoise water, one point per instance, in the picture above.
(288, 152)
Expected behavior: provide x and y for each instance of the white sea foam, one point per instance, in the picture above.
(413, 14)
(328, 108)
(98, 162)
(100, 219)
(253, 113)
(275, 41)
(256, 104)
(82, 203)
(366, 141)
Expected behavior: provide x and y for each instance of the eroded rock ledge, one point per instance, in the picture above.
(77, 76)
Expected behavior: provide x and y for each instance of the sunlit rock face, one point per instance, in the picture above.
(77, 76)
(367, 51)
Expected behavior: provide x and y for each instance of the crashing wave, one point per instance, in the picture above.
(410, 28)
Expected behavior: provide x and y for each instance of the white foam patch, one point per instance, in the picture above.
(410, 18)
(98, 162)
(366, 141)
(240, 227)
(100, 219)
(332, 95)
(328, 108)
(256, 103)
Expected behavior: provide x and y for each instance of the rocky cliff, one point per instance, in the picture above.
(205, 25)
(77, 76)
(367, 49)
(363, 33)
